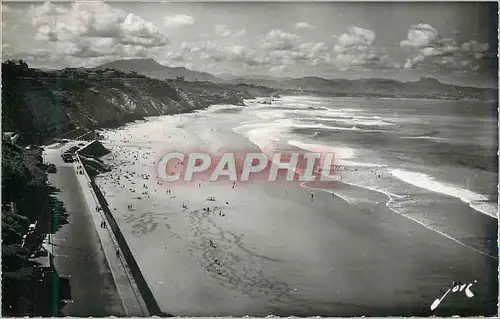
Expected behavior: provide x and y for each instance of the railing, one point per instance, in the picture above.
(147, 295)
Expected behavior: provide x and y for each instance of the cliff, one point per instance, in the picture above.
(73, 102)
(153, 69)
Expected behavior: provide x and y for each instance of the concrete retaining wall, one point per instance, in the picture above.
(146, 293)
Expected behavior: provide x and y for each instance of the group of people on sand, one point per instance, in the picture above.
(79, 169)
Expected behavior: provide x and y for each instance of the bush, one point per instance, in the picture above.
(25, 197)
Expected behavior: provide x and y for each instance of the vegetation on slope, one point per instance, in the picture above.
(46, 104)
(25, 199)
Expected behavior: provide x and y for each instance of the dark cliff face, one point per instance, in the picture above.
(49, 104)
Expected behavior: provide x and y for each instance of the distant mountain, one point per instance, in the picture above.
(250, 77)
(373, 87)
(76, 101)
(153, 69)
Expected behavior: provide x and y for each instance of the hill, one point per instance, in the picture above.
(373, 87)
(151, 68)
(73, 103)
(424, 88)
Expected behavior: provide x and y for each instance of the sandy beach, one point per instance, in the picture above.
(262, 248)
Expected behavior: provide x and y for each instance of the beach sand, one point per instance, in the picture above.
(274, 251)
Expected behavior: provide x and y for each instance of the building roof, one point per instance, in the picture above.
(43, 261)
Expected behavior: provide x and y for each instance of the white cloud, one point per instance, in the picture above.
(279, 40)
(356, 38)
(88, 33)
(303, 25)
(279, 69)
(240, 33)
(93, 31)
(172, 59)
(224, 31)
(12, 12)
(420, 35)
(355, 49)
(93, 20)
(315, 53)
(305, 54)
(284, 48)
(210, 51)
(178, 20)
(428, 50)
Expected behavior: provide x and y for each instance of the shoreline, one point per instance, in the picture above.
(208, 223)
(390, 199)
(387, 203)
(264, 237)
(130, 296)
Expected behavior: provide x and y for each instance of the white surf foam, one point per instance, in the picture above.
(432, 138)
(388, 205)
(270, 115)
(476, 201)
(358, 121)
(262, 135)
(358, 164)
(340, 152)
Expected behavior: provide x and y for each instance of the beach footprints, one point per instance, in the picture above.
(142, 223)
(227, 260)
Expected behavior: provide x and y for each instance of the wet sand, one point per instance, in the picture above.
(273, 251)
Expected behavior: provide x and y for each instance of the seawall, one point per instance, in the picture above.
(147, 296)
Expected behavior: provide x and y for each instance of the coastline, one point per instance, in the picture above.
(130, 295)
(265, 250)
(380, 242)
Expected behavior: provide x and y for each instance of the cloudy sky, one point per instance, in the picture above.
(454, 42)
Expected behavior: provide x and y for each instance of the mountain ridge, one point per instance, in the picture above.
(425, 87)
(150, 67)
(76, 101)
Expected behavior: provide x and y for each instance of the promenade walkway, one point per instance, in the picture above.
(132, 300)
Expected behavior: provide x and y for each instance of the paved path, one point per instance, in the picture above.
(85, 252)
(127, 289)
(78, 254)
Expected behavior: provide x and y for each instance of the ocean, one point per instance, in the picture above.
(432, 162)
(444, 147)
(420, 153)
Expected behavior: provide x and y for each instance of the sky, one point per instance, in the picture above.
(453, 42)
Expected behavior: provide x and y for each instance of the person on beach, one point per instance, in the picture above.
(212, 244)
